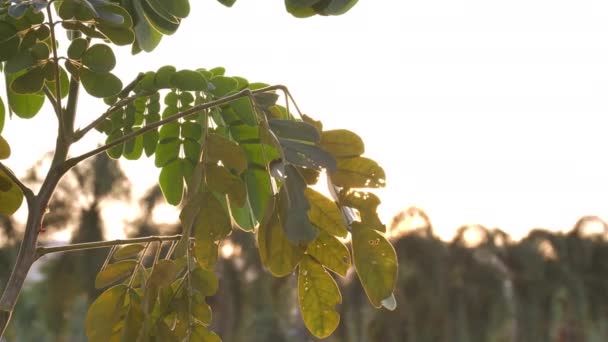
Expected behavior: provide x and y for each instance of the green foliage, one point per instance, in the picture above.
(227, 152)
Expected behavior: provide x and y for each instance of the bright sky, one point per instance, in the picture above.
(486, 112)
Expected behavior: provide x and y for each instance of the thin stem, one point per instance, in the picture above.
(245, 92)
(70, 108)
(51, 98)
(41, 251)
(140, 263)
(58, 108)
(27, 192)
(82, 132)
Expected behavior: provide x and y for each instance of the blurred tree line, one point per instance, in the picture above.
(480, 287)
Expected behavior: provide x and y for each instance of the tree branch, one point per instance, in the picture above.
(51, 98)
(41, 251)
(245, 92)
(27, 192)
(58, 108)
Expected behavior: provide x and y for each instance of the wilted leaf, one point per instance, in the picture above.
(114, 272)
(219, 179)
(307, 155)
(367, 204)
(376, 264)
(318, 295)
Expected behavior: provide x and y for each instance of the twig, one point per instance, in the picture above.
(245, 92)
(27, 192)
(58, 108)
(41, 251)
(51, 97)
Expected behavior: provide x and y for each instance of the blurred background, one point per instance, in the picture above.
(484, 115)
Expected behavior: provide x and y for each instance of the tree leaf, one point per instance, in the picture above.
(338, 7)
(104, 313)
(5, 149)
(163, 274)
(163, 76)
(2, 114)
(227, 3)
(222, 86)
(206, 252)
(226, 150)
(128, 251)
(318, 295)
(220, 179)
(358, 172)
(295, 130)
(100, 84)
(171, 181)
(212, 221)
(204, 281)
(376, 264)
(166, 152)
(259, 190)
(31, 81)
(342, 143)
(307, 155)
(324, 213)
(277, 254)
(99, 58)
(188, 80)
(77, 48)
(367, 204)
(147, 37)
(330, 252)
(200, 333)
(294, 208)
(11, 199)
(9, 41)
(134, 318)
(114, 272)
(177, 8)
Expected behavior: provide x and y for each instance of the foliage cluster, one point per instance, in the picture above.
(228, 153)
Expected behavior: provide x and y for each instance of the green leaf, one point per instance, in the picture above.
(330, 252)
(226, 150)
(40, 51)
(134, 318)
(29, 82)
(200, 333)
(163, 76)
(243, 216)
(147, 37)
(9, 41)
(25, 106)
(243, 108)
(2, 114)
(177, 8)
(342, 143)
(294, 207)
(212, 221)
(318, 295)
(163, 274)
(171, 181)
(295, 130)
(324, 213)
(276, 252)
(206, 252)
(128, 251)
(99, 58)
(133, 148)
(358, 172)
(223, 86)
(376, 264)
(307, 155)
(114, 272)
(259, 190)
(77, 48)
(100, 84)
(204, 281)
(338, 7)
(11, 198)
(166, 152)
(64, 82)
(5, 149)
(188, 80)
(220, 179)
(227, 3)
(103, 314)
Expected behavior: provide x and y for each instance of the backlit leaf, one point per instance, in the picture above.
(204, 281)
(294, 208)
(163, 273)
(11, 199)
(99, 58)
(330, 252)
(171, 181)
(226, 150)
(307, 155)
(100, 84)
(188, 80)
(114, 272)
(318, 295)
(295, 130)
(29, 82)
(5, 149)
(128, 251)
(342, 143)
(212, 221)
(376, 264)
(220, 179)
(103, 314)
(358, 172)
(367, 204)
(277, 254)
(324, 213)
